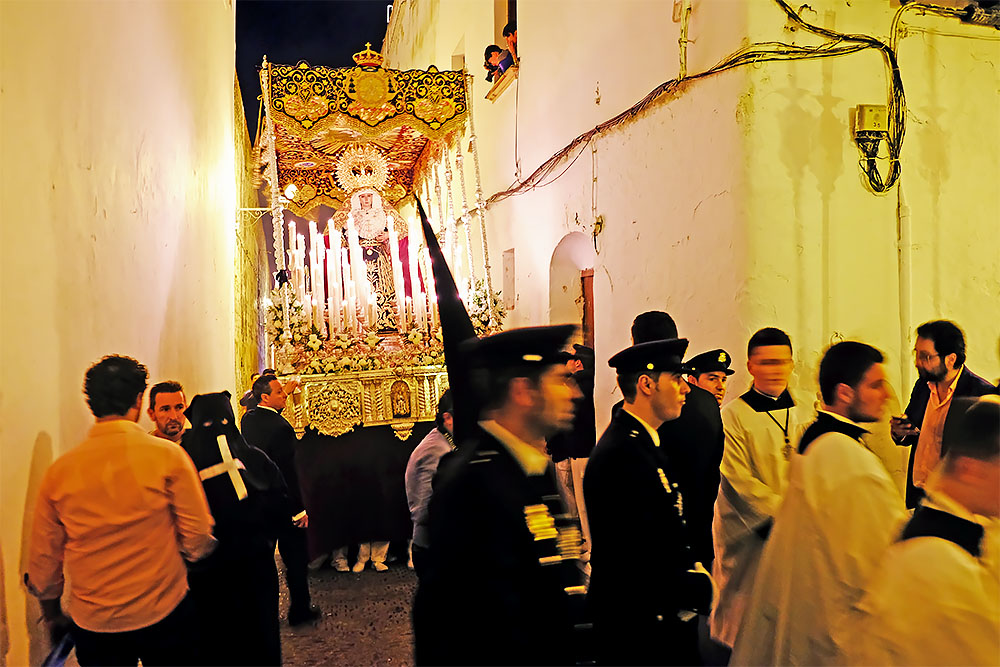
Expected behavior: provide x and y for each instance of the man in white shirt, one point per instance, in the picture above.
(761, 428)
(935, 597)
(840, 512)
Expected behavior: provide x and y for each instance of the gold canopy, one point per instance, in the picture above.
(319, 111)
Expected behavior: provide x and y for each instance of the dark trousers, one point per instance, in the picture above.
(420, 556)
(162, 643)
(236, 604)
(295, 555)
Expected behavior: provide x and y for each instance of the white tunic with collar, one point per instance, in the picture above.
(754, 472)
(930, 602)
(840, 513)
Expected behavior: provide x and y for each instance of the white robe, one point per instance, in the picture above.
(930, 602)
(754, 473)
(841, 511)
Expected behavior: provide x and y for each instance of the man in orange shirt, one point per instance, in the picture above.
(939, 355)
(121, 512)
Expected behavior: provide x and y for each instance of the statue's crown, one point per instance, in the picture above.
(368, 57)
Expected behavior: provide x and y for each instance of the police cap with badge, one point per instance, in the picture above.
(713, 361)
(524, 347)
(654, 357)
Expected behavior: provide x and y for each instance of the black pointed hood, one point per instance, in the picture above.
(456, 328)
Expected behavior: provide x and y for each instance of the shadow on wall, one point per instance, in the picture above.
(573, 254)
(41, 459)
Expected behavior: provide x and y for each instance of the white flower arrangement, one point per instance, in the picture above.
(479, 310)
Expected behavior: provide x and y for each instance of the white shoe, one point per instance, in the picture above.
(380, 567)
(359, 566)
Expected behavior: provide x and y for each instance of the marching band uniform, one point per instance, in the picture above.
(641, 615)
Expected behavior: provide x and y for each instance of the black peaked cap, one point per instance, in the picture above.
(658, 355)
(520, 347)
(713, 361)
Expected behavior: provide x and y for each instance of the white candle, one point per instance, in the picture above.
(358, 270)
(334, 298)
(372, 308)
(431, 288)
(413, 252)
(350, 305)
(397, 280)
(300, 262)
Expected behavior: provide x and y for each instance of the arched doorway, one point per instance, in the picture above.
(571, 293)
(571, 300)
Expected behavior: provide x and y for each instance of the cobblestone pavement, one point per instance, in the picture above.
(366, 619)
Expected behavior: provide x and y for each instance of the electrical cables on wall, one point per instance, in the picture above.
(837, 44)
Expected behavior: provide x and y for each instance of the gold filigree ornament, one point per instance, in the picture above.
(334, 407)
(361, 166)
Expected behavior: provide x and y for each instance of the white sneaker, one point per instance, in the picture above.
(359, 566)
(381, 567)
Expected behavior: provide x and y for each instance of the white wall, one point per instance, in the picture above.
(738, 203)
(118, 195)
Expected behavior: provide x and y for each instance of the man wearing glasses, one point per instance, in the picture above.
(939, 355)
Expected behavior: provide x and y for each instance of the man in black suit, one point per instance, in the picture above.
(502, 585)
(644, 616)
(264, 428)
(927, 425)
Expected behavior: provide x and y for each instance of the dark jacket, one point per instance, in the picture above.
(695, 441)
(578, 442)
(969, 385)
(485, 597)
(635, 595)
(272, 434)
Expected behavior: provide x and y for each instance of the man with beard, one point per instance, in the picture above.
(503, 584)
(939, 355)
(643, 616)
(235, 590)
(166, 409)
(841, 511)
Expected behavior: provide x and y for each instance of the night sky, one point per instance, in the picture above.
(322, 32)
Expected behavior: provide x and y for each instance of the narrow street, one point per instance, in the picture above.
(366, 619)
